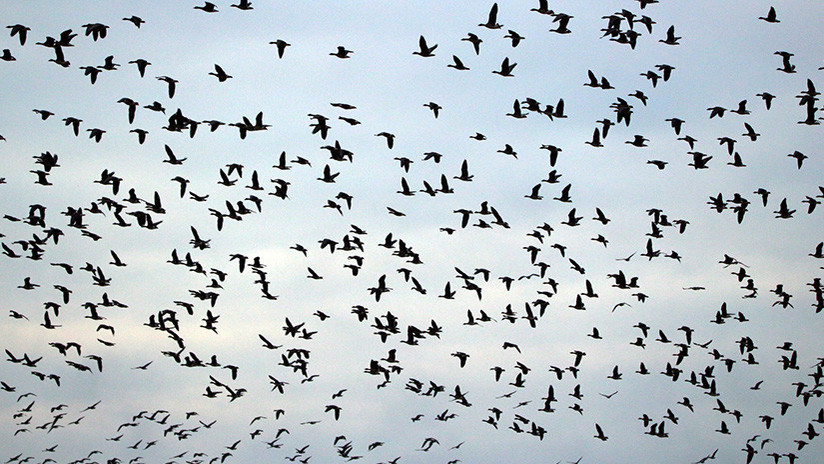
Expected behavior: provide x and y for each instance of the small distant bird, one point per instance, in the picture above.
(172, 159)
(434, 107)
(208, 7)
(457, 64)
(799, 157)
(96, 134)
(786, 66)
(390, 138)
(514, 37)
(342, 52)
(770, 18)
(716, 111)
(20, 31)
(424, 50)
(137, 21)
(220, 74)
(44, 114)
(638, 141)
(506, 68)
(475, 41)
(767, 97)
(596, 139)
(750, 132)
(243, 5)
(141, 65)
(492, 19)
(170, 82)
(281, 46)
(671, 39)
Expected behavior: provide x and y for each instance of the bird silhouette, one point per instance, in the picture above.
(220, 74)
(342, 52)
(492, 18)
(424, 50)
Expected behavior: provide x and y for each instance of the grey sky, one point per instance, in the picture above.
(726, 55)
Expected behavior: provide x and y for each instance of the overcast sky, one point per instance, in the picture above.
(167, 346)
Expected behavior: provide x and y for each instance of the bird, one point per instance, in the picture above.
(96, 134)
(342, 52)
(171, 82)
(96, 30)
(281, 45)
(506, 68)
(243, 5)
(599, 433)
(390, 139)
(596, 139)
(424, 50)
(783, 212)
(543, 8)
(799, 158)
(141, 65)
(565, 197)
(786, 66)
(136, 20)
(753, 136)
(44, 114)
(767, 97)
(220, 74)
(109, 64)
(207, 7)
(172, 159)
(771, 16)
(742, 108)
(670, 39)
(534, 193)
(492, 18)
(475, 41)
(638, 141)
(464, 175)
(434, 107)
(20, 31)
(563, 23)
(514, 37)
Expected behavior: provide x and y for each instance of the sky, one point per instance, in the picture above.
(127, 359)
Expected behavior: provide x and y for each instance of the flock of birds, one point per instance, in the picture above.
(68, 309)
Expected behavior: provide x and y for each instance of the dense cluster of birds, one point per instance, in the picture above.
(71, 306)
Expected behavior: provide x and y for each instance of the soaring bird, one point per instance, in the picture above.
(799, 157)
(424, 50)
(599, 433)
(596, 139)
(170, 82)
(141, 65)
(475, 41)
(243, 5)
(457, 64)
(436, 108)
(20, 31)
(220, 74)
(208, 7)
(514, 37)
(771, 17)
(281, 46)
(342, 52)
(492, 19)
(671, 39)
(506, 68)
